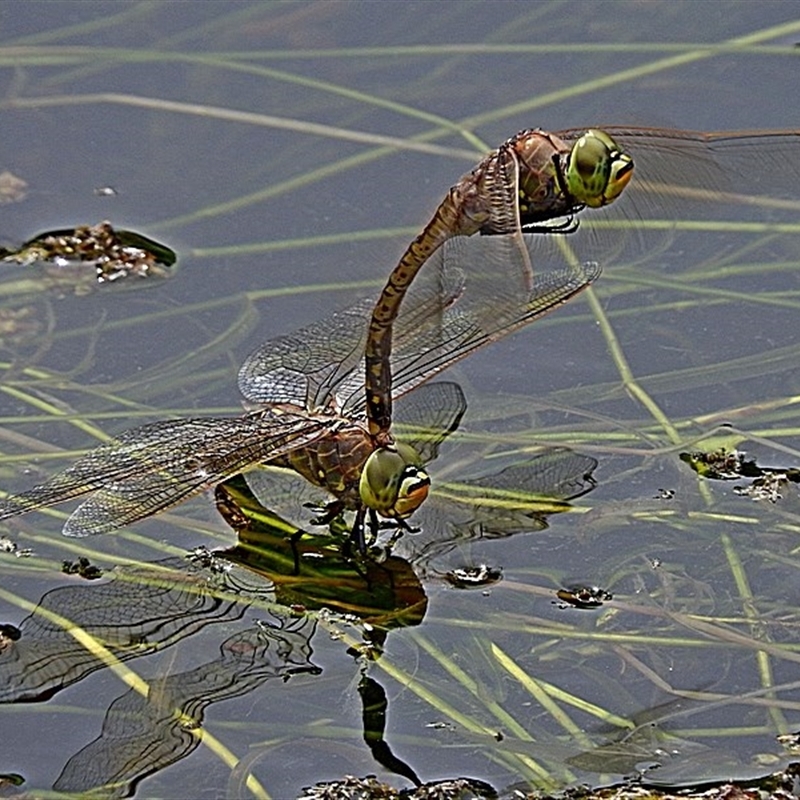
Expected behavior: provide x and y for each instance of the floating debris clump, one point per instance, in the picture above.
(114, 254)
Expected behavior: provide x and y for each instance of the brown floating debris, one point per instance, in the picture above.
(114, 254)
(729, 465)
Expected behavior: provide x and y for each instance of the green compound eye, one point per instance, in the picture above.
(393, 482)
(597, 170)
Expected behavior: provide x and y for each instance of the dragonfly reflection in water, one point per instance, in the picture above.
(538, 181)
(310, 387)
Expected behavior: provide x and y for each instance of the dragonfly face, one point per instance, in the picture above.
(393, 482)
(597, 170)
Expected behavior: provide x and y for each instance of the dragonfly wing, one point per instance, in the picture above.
(497, 299)
(426, 417)
(305, 368)
(153, 467)
(323, 363)
(514, 500)
(113, 461)
(557, 473)
(420, 319)
(746, 162)
(695, 177)
(501, 185)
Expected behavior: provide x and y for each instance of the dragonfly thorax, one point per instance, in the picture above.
(541, 195)
(346, 462)
(334, 461)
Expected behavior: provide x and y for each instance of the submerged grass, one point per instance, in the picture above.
(703, 615)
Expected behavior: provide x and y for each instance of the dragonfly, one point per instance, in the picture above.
(306, 392)
(539, 181)
(532, 178)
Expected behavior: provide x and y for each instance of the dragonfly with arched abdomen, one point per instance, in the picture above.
(538, 181)
(532, 178)
(308, 390)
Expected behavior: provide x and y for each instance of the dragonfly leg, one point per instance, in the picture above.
(357, 532)
(399, 524)
(327, 513)
(569, 225)
(561, 179)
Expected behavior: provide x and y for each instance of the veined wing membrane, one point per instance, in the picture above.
(427, 416)
(743, 164)
(497, 300)
(695, 178)
(306, 367)
(471, 292)
(151, 468)
(321, 365)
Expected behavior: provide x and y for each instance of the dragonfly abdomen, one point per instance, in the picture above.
(463, 212)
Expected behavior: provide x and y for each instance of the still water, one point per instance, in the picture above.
(288, 152)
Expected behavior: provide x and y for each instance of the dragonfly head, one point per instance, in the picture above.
(597, 170)
(393, 481)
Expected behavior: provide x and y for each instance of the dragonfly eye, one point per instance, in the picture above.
(393, 481)
(597, 170)
(414, 487)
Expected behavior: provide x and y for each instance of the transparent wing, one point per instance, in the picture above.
(305, 368)
(150, 468)
(321, 365)
(498, 297)
(693, 180)
(471, 292)
(153, 605)
(744, 163)
(518, 499)
(426, 417)
(557, 473)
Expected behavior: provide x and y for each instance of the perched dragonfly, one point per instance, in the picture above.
(308, 389)
(538, 181)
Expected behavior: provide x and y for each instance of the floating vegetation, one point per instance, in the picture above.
(352, 788)
(722, 464)
(473, 577)
(583, 596)
(82, 567)
(780, 786)
(731, 465)
(9, 546)
(110, 255)
(9, 633)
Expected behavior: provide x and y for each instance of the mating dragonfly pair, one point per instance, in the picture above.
(323, 395)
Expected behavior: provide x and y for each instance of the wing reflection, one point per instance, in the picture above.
(140, 610)
(143, 735)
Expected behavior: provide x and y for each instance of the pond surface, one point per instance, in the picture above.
(254, 139)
